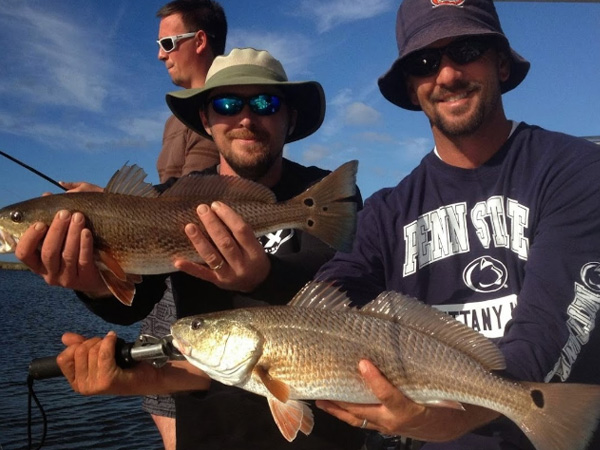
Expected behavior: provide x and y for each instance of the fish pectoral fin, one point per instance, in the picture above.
(124, 290)
(444, 404)
(291, 417)
(277, 388)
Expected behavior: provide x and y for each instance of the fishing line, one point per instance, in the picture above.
(29, 422)
(31, 169)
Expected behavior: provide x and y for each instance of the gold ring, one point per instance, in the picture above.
(364, 424)
(218, 266)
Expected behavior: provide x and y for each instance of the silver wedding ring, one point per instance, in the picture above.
(218, 266)
(365, 423)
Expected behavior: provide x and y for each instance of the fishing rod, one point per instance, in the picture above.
(156, 351)
(31, 169)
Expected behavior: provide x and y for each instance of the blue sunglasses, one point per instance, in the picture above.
(230, 105)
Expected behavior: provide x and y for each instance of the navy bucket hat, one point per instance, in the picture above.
(420, 23)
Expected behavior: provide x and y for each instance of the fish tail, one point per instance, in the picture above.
(562, 415)
(331, 205)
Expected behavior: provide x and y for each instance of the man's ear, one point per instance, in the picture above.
(205, 122)
(201, 40)
(503, 66)
(412, 93)
(293, 119)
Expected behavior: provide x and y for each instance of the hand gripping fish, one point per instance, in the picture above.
(138, 231)
(310, 349)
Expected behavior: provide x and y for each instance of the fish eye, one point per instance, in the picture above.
(197, 324)
(16, 216)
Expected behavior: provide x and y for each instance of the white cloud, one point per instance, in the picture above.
(415, 148)
(359, 114)
(329, 14)
(316, 153)
(62, 62)
(372, 136)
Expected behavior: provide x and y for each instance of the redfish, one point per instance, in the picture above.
(139, 231)
(310, 349)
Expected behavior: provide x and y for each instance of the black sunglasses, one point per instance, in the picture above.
(426, 62)
(261, 104)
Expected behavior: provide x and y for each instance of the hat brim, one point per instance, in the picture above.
(393, 83)
(307, 97)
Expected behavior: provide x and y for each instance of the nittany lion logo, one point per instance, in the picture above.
(590, 276)
(485, 274)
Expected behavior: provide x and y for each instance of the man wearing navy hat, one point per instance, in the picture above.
(499, 226)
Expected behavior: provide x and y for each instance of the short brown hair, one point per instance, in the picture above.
(207, 15)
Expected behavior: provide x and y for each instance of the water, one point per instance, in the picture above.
(33, 317)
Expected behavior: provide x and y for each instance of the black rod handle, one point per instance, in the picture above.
(47, 367)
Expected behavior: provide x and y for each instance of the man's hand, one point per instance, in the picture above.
(398, 415)
(235, 259)
(90, 367)
(62, 253)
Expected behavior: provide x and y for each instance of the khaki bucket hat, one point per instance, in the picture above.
(248, 66)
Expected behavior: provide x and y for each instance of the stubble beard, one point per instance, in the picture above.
(254, 170)
(454, 126)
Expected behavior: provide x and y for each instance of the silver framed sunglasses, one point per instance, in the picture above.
(169, 43)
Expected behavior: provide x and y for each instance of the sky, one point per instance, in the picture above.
(82, 91)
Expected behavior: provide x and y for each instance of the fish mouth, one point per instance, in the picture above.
(183, 348)
(8, 242)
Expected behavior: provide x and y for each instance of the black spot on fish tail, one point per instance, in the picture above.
(309, 202)
(310, 223)
(538, 398)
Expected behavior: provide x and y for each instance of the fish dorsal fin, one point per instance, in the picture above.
(129, 180)
(291, 417)
(409, 312)
(209, 188)
(319, 294)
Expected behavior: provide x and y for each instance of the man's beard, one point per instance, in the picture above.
(469, 124)
(256, 165)
(255, 171)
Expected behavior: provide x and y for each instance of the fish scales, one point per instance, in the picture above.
(310, 350)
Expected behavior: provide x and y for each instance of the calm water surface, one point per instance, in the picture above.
(33, 317)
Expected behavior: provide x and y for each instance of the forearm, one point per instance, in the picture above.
(175, 376)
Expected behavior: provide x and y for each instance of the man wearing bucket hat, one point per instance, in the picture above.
(250, 109)
(499, 218)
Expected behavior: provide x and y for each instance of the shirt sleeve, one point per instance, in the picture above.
(557, 305)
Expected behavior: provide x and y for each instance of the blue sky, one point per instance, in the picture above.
(82, 90)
